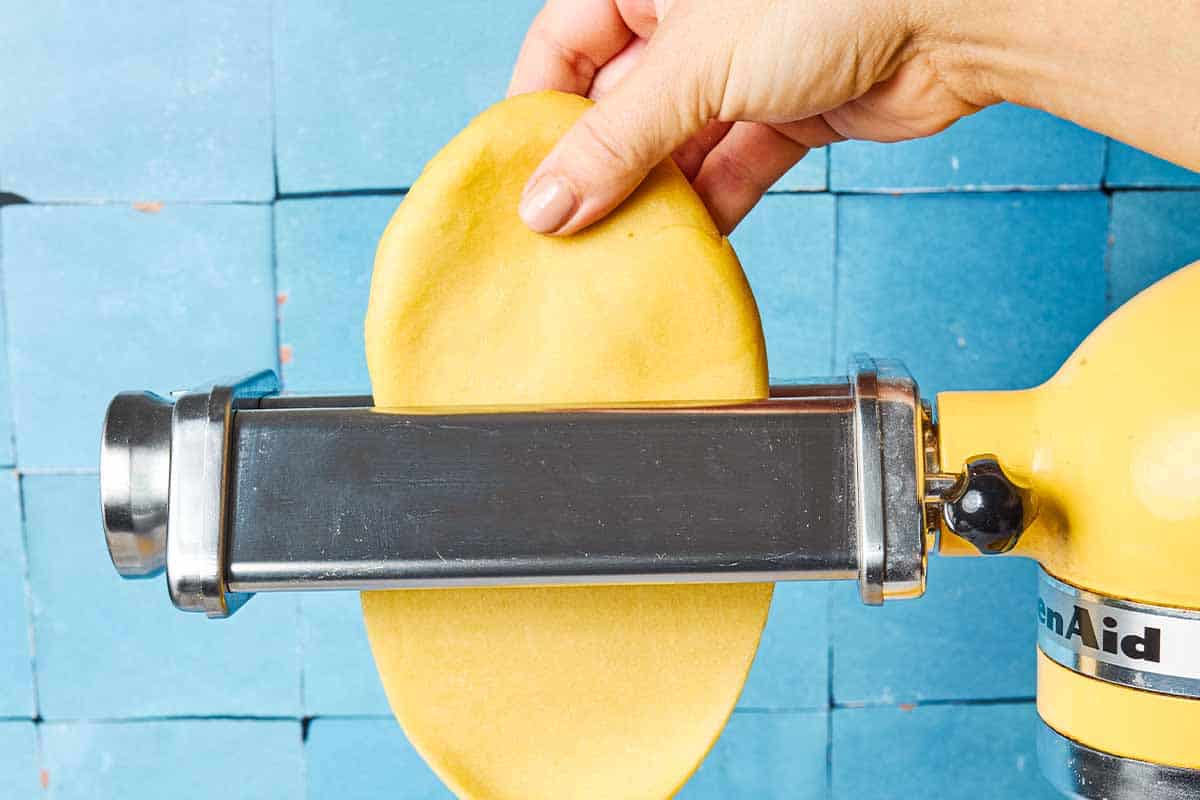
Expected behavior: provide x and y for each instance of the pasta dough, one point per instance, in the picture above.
(559, 692)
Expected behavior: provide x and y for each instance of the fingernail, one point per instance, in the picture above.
(548, 204)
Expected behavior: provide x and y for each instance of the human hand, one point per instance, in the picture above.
(737, 90)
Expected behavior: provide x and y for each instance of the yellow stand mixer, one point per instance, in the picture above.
(1110, 447)
(234, 489)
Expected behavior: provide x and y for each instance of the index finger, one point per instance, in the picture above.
(567, 44)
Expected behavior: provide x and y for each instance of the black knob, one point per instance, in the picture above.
(987, 508)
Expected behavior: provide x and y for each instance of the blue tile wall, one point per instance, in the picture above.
(208, 183)
(112, 648)
(964, 753)
(106, 298)
(20, 769)
(367, 92)
(1152, 234)
(379, 754)
(787, 247)
(16, 660)
(8, 455)
(809, 175)
(235, 759)
(136, 101)
(791, 668)
(972, 291)
(769, 756)
(1004, 146)
(324, 251)
(971, 637)
(339, 673)
(1129, 167)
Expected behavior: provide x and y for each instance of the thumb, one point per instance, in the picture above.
(605, 155)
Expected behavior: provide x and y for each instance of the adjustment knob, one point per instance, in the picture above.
(135, 475)
(987, 508)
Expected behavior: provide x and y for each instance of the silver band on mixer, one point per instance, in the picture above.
(1078, 771)
(1154, 648)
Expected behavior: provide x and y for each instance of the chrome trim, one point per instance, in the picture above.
(1080, 772)
(868, 480)
(1177, 670)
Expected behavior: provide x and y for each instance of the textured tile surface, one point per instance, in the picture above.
(137, 101)
(971, 291)
(325, 250)
(367, 92)
(809, 175)
(19, 764)
(1000, 147)
(1128, 166)
(339, 672)
(1152, 234)
(786, 246)
(16, 662)
(8, 453)
(791, 669)
(233, 759)
(107, 299)
(365, 759)
(110, 648)
(971, 636)
(768, 756)
(948, 752)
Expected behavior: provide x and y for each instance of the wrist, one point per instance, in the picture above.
(974, 47)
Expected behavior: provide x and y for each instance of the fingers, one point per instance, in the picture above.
(567, 44)
(605, 155)
(617, 68)
(691, 154)
(741, 168)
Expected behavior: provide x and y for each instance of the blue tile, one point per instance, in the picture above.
(19, 767)
(809, 175)
(765, 756)
(113, 648)
(325, 250)
(950, 752)
(16, 663)
(1152, 235)
(7, 453)
(976, 616)
(791, 668)
(786, 246)
(383, 763)
(106, 299)
(367, 92)
(136, 101)
(971, 291)
(231, 759)
(1002, 146)
(339, 671)
(1130, 167)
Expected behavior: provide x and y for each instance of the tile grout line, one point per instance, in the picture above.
(30, 600)
(833, 301)
(1110, 240)
(829, 699)
(1105, 162)
(932, 191)
(8, 367)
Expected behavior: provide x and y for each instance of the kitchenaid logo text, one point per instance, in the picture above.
(1145, 645)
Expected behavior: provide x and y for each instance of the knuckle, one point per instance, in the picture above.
(580, 65)
(608, 149)
(737, 172)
